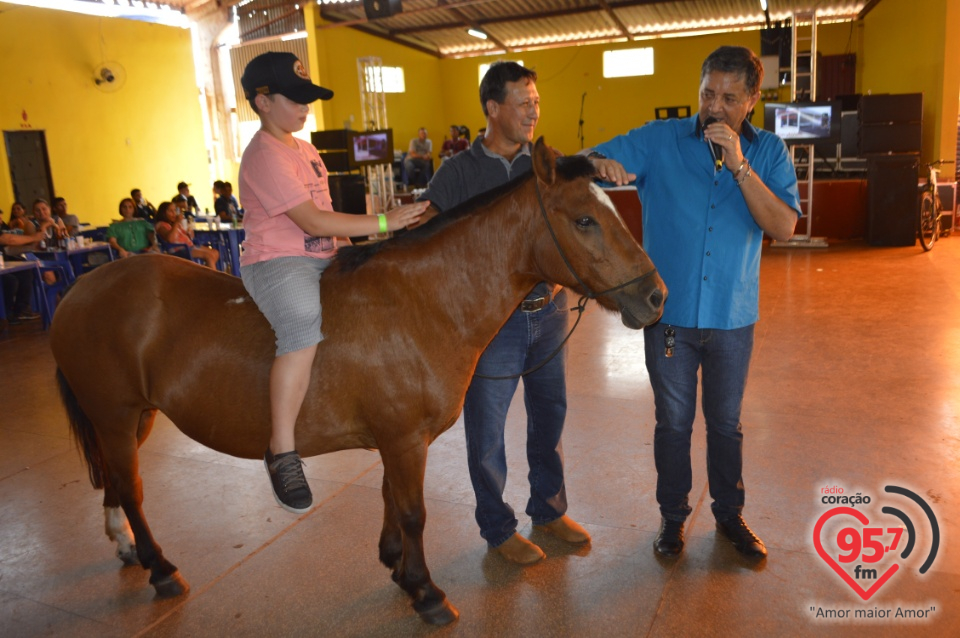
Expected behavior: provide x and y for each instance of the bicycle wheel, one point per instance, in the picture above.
(944, 232)
(929, 226)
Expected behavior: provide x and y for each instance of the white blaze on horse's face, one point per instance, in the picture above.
(600, 194)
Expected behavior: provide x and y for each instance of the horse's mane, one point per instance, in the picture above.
(349, 258)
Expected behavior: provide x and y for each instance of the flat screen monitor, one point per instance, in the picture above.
(803, 122)
(369, 148)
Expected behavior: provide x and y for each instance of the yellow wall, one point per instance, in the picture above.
(338, 50)
(148, 134)
(912, 60)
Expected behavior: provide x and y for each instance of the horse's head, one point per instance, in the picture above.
(587, 247)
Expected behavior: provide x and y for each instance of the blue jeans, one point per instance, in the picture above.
(524, 341)
(723, 356)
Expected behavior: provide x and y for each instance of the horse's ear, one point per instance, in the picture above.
(544, 162)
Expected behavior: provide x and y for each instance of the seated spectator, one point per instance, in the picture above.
(227, 207)
(173, 229)
(17, 286)
(183, 193)
(70, 222)
(51, 228)
(455, 144)
(131, 235)
(481, 134)
(143, 208)
(419, 160)
(19, 220)
(465, 134)
(217, 188)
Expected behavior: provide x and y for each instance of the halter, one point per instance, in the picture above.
(581, 303)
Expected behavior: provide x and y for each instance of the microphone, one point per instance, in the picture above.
(716, 151)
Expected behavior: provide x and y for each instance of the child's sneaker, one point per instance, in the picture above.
(289, 484)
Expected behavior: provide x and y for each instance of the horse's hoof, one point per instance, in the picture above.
(129, 558)
(442, 614)
(171, 586)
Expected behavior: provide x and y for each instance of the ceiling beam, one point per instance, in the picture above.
(473, 24)
(613, 16)
(867, 8)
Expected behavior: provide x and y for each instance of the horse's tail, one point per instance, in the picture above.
(83, 433)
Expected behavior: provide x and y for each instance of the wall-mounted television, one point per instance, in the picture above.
(803, 122)
(369, 148)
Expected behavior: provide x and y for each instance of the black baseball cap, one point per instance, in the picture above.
(276, 72)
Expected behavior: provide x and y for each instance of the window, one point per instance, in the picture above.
(628, 62)
(485, 67)
(392, 77)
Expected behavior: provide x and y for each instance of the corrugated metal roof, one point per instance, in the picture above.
(440, 27)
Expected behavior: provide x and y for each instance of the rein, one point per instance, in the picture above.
(581, 303)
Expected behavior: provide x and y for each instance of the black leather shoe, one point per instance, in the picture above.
(669, 541)
(744, 540)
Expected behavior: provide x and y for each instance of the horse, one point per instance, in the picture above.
(404, 321)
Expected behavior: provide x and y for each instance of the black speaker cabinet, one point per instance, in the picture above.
(891, 107)
(348, 193)
(336, 161)
(890, 137)
(381, 8)
(335, 140)
(892, 200)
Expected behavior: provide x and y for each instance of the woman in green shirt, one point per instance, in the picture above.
(131, 235)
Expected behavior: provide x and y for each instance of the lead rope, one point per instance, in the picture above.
(581, 303)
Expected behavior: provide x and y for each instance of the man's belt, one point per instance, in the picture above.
(535, 304)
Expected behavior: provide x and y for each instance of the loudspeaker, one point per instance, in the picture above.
(335, 140)
(336, 161)
(348, 194)
(892, 200)
(381, 8)
(893, 137)
(899, 107)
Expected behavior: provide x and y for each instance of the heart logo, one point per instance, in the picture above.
(854, 585)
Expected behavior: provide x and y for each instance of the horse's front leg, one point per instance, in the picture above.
(404, 468)
(391, 540)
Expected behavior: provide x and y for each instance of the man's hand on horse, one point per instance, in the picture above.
(404, 216)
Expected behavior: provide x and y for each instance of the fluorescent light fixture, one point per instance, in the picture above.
(477, 34)
(107, 10)
(299, 35)
(763, 5)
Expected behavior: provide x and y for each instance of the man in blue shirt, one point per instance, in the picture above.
(705, 211)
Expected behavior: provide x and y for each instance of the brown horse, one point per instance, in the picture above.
(405, 321)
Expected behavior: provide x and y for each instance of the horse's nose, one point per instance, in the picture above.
(656, 298)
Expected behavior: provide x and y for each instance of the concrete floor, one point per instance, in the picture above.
(854, 383)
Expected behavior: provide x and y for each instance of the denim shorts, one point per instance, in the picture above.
(287, 291)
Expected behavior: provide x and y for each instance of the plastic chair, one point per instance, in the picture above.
(49, 293)
(179, 250)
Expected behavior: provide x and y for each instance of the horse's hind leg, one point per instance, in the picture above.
(114, 520)
(117, 528)
(404, 466)
(121, 460)
(391, 540)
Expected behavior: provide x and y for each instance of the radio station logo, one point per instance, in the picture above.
(866, 549)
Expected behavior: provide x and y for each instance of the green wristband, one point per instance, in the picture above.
(383, 223)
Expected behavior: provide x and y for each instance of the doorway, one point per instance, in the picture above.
(29, 165)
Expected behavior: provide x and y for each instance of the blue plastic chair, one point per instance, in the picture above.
(49, 294)
(179, 250)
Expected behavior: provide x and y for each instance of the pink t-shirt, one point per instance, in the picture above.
(273, 179)
(179, 235)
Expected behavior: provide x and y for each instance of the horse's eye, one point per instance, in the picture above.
(586, 222)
